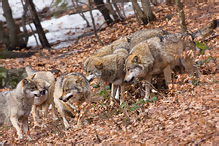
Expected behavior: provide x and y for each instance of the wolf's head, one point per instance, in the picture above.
(136, 68)
(29, 87)
(43, 86)
(72, 86)
(133, 68)
(94, 69)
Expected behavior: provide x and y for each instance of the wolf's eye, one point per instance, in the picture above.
(67, 90)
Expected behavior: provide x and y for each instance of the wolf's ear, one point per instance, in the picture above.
(136, 59)
(99, 65)
(32, 77)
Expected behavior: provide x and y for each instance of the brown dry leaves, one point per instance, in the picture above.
(187, 115)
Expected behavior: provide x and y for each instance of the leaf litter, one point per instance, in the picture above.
(185, 114)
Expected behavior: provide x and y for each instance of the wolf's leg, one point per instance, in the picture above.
(167, 75)
(113, 93)
(14, 122)
(122, 94)
(25, 125)
(66, 124)
(83, 114)
(147, 88)
(45, 112)
(35, 113)
(53, 111)
(141, 89)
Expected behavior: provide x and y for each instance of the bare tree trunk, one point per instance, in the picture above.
(181, 15)
(93, 22)
(80, 11)
(139, 12)
(36, 21)
(13, 36)
(112, 11)
(117, 10)
(4, 39)
(136, 16)
(24, 18)
(105, 12)
(147, 10)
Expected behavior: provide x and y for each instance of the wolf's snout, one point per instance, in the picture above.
(43, 92)
(61, 98)
(37, 94)
(129, 80)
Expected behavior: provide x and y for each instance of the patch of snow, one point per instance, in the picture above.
(58, 27)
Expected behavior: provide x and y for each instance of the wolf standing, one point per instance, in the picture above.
(46, 81)
(16, 105)
(70, 89)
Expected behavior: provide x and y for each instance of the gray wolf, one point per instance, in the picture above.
(135, 38)
(107, 63)
(110, 69)
(71, 89)
(15, 105)
(160, 55)
(46, 81)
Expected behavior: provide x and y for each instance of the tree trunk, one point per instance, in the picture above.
(181, 15)
(112, 11)
(36, 21)
(80, 11)
(117, 10)
(139, 12)
(105, 12)
(24, 18)
(93, 22)
(147, 10)
(4, 39)
(13, 36)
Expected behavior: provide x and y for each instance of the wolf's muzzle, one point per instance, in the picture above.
(126, 81)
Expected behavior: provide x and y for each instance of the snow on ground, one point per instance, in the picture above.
(58, 27)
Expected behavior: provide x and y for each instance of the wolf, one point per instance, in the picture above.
(110, 69)
(107, 63)
(135, 37)
(46, 81)
(15, 105)
(70, 89)
(158, 55)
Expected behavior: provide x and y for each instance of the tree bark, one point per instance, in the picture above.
(80, 11)
(181, 15)
(13, 36)
(4, 39)
(139, 12)
(147, 10)
(36, 21)
(105, 12)
(112, 11)
(117, 9)
(93, 22)
(24, 18)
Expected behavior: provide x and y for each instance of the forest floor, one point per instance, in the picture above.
(187, 114)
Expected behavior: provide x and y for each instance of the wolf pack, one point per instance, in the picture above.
(141, 55)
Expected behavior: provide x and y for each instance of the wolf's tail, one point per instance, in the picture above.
(29, 70)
